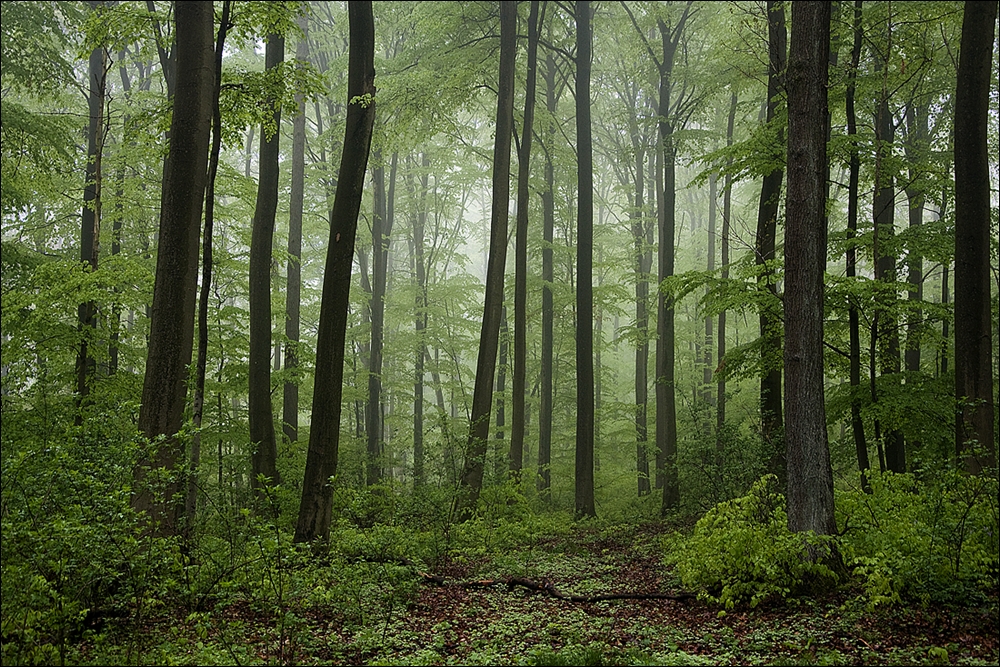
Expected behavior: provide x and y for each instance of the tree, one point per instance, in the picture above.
(471, 482)
(584, 268)
(293, 289)
(90, 220)
(264, 468)
(767, 224)
(810, 476)
(975, 440)
(324, 434)
(171, 335)
(201, 361)
(518, 389)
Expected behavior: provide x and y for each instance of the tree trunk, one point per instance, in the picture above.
(264, 460)
(501, 392)
(584, 271)
(810, 476)
(643, 265)
(975, 443)
(90, 218)
(767, 224)
(482, 401)
(707, 395)
(324, 433)
(854, 325)
(885, 268)
(171, 335)
(727, 200)
(419, 325)
(293, 289)
(198, 404)
(544, 482)
(518, 388)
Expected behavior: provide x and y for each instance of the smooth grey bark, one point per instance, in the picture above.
(810, 476)
(975, 440)
(727, 204)
(854, 324)
(545, 400)
(171, 336)
(315, 509)
(471, 482)
(90, 218)
(420, 325)
(293, 277)
(201, 363)
(264, 458)
(584, 472)
(518, 382)
(764, 252)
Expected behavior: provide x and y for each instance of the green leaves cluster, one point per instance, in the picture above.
(742, 551)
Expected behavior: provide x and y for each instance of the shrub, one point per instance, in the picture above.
(932, 541)
(742, 551)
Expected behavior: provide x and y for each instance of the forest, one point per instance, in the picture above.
(539, 333)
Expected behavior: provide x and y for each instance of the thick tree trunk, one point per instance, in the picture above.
(293, 288)
(171, 335)
(767, 224)
(810, 476)
(584, 267)
(482, 401)
(516, 454)
(324, 433)
(975, 440)
(264, 460)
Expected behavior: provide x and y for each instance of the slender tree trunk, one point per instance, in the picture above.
(720, 401)
(854, 325)
(380, 257)
(293, 288)
(264, 460)
(707, 395)
(975, 442)
(482, 400)
(516, 454)
(767, 219)
(90, 219)
(420, 325)
(584, 268)
(643, 265)
(201, 364)
(501, 394)
(885, 268)
(545, 401)
(171, 336)
(315, 510)
(810, 476)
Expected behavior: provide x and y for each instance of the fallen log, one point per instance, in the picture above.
(545, 586)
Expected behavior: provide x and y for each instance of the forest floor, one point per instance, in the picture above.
(468, 614)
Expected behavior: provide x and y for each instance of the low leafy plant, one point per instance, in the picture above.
(742, 551)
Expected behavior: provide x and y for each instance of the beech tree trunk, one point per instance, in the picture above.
(293, 284)
(518, 382)
(584, 268)
(767, 225)
(171, 336)
(315, 510)
(810, 476)
(264, 459)
(471, 482)
(975, 440)
(544, 481)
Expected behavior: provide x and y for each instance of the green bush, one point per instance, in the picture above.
(932, 541)
(742, 551)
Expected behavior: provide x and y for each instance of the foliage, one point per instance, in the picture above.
(742, 551)
(931, 539)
